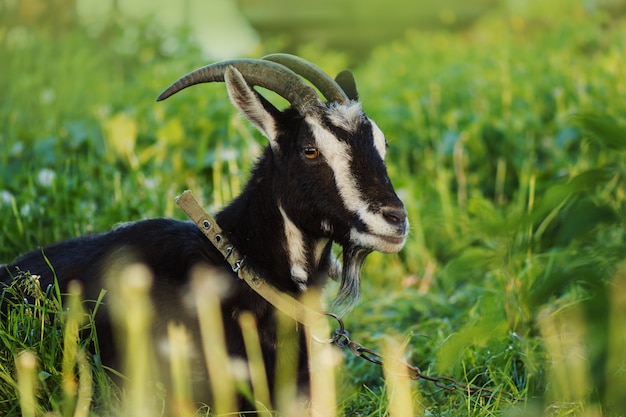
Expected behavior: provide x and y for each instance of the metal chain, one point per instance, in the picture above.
(285, 303)
(341, 338)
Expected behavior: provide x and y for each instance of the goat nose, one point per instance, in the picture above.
(394, 215)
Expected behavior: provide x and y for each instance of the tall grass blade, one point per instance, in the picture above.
(208, 286)
(322, 362)
(258, 374)
(397, 381)
(616, 361)
(180, 349)
(286, 391)
(26, 367)
(563, 334)
(73, 322)
(85, 386)
(132, 312)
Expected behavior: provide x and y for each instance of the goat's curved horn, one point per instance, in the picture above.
(256, 72)
(327, 86)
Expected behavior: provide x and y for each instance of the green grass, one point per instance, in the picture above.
(507, 144)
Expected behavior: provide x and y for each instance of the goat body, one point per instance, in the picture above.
(322, 179)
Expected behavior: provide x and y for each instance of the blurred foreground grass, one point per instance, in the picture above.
(507, 144)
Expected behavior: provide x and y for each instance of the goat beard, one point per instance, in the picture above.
(350, 287)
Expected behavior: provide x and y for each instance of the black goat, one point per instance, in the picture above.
(322, 179)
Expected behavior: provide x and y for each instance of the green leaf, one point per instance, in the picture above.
(43, 375)
(471, 264)
(602, 128)
(582, 217)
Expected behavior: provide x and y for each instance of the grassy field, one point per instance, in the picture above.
(507, 145)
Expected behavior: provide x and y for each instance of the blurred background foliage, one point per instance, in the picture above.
(507, 137)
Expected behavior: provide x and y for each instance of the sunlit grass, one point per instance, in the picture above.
(52, 369)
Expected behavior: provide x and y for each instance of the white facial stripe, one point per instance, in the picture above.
(346, 116)
(349, 117)
(379, 139)
(338, 156)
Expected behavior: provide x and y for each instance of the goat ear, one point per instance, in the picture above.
(251, 104)
(346, 81)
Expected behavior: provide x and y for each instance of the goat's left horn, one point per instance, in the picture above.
(266, 74)
(327, 86)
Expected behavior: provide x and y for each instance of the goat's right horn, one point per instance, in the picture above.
(267, 74)
(324, 82)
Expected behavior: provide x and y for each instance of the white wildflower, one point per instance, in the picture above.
(46, 177)
(6, 198)
(47, 96)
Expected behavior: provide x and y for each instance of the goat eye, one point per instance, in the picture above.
(311, 153)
